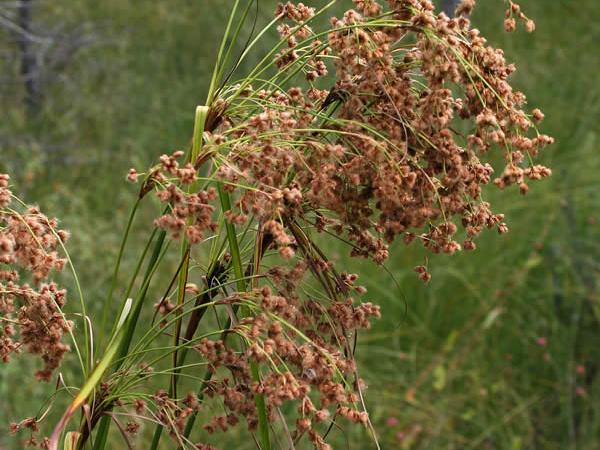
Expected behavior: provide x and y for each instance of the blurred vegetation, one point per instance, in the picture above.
(501, 350)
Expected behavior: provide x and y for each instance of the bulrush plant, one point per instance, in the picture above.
(381, 126)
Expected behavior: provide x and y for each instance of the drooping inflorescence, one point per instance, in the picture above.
(31, 316)
(421, 103)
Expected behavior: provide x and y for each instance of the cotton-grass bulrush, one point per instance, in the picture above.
(351, 132)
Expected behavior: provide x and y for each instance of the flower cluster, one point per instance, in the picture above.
(425, 172)
(298, 15)
(30, 316)
(301, 346)
(304, 350)
(188, 213)
(514, 10)
(390, 160)
(400, 145)
(31, 424)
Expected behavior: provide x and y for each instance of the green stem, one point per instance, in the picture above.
(263, 424)
(103, 428)
(260, 248)
(136, 272)
(220, 57)
(199, 125)
(113, 284)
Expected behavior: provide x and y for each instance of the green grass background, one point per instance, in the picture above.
(455, 364)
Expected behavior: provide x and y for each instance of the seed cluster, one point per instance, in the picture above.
(399, 145)
(188, 214)
(30, 316)
(423, 101)
(303, 345)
